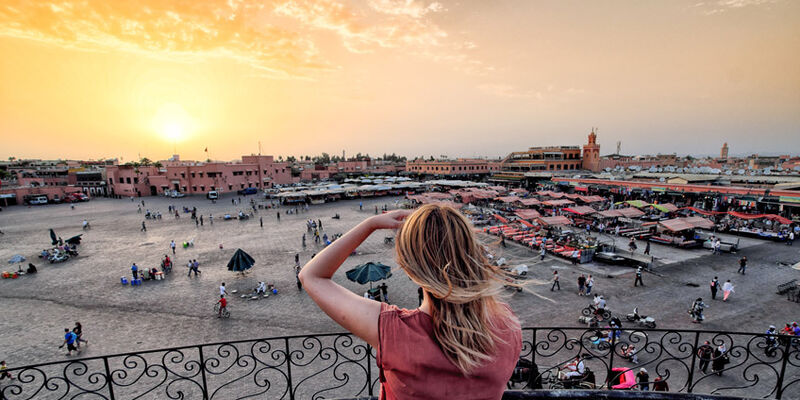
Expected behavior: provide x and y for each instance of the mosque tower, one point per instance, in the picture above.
(591, 153)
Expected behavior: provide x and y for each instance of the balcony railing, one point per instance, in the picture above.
(340, 365)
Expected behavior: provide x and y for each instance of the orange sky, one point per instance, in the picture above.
(101, 79)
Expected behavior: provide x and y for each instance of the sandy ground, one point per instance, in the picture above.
(178, 310)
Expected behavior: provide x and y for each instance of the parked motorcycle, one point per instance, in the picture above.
(592, 310)
(642, 320)
(58, 257)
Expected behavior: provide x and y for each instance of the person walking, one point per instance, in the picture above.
(360, 206)
(196, 222)
(790, 238)
(714, 286)
(222, 290)
(742, 265)
(172, 246)
(211, 219)
(542, 253)
(279, 215)
(144, 227)
(201, 220)
(589, 284)
(296, 258)
(78, 331)
(581, 285)
(261, 221)
(632, 245)
(4, 371)
(719, 360)
(638, 277)
(555, 281)
(727, 289)
(135, 271)
(704, 354)
(69, 341)
(697, 310)
(647, 251)
(297, 276)
(384, 289)
(643, 379)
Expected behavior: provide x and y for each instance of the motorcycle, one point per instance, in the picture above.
(58, 257)
(642, 320)
(592, 310)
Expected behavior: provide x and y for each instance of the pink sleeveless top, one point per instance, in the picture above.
(413, 366)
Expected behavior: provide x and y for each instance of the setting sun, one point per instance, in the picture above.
(172, 122)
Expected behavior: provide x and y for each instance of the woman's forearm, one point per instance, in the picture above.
(325, 264)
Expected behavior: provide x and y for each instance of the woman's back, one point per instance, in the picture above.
(413, 366)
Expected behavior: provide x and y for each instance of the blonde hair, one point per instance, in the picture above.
(438, 250)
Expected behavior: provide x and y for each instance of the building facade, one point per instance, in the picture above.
(458, 167)
(552, 158)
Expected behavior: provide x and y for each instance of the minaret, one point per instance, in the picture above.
(723, 154)
(591, 153)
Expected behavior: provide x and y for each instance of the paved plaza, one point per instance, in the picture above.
(178, 310)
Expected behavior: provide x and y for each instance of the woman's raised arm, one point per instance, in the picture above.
(353, 312)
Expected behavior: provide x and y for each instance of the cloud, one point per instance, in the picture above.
(722, 6)
(252, 32)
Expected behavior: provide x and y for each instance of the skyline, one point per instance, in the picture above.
(91, 79)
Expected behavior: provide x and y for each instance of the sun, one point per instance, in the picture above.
(172, 122)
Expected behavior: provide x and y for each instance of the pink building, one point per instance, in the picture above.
(254, 171)
(461, 166)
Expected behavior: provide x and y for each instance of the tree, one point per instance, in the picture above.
(12, 158)
(158, 164)
(145, 162)
(291, 159)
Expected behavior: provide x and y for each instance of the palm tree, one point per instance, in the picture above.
(145, 162)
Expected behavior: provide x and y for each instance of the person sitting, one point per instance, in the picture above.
(261, 289)
(44, 254)
(574, 369)
(31, 268)
(153, 272)
(630, 354)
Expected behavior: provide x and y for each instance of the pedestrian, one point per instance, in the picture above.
(727, 288)
(632, 245)
(638, 277)
(589, 284)
(196, 222)
(384, 289)
(190, 264)
(172, 246)
(69, 341)
(714, 286)
(719, 360)
(135, 271)
(790, 239)
(4, 371)
(647, 251)
(555, 281)
(304, 240)
(376, 210)
(144, 227)
(360, 206)
(78, 331)
(319, 223)
(279, 215)
(581, 285)
(660, 385)
(261, 221)
(643, 379)
(704, 353)
(201, 220)
(297, 277)
(296, 258)
(502, 240)
(211, 219)
(222, 290)
(742, 265)
(697, 310)
(542, 253)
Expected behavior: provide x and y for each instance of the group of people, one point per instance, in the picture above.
(379, 293)
(73, 339)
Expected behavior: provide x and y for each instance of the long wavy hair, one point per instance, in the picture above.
(439, 251)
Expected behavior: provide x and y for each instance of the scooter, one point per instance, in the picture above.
(643, 320)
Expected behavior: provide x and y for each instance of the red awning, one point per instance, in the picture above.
(526, 223)
(676, 225)
(771, 217)
(501, 219)
(581, 189)
(610, 213)
(507, 199)
(529, 202)
(528, 214)
(699, 222)
(558, 203)
(591, 199)
(630, 212)
(556, 220)
(580, 210)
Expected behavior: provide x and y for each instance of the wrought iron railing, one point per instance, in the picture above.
(340, 365)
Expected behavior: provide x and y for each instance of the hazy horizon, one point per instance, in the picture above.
(93, 79)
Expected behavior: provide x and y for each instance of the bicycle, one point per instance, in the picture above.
(225, 312)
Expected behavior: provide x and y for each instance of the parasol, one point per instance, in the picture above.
(240, 261)
(369, 272)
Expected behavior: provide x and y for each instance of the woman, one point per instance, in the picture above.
(727, 288)
(719, 360)
(462, 342)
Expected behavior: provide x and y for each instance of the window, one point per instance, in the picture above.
(183, 175)
(135, 180)
(128, 180)
(230, 187)
(110, 181)
(241, 186)
(194, 188)
(192, 174)
(184, 188)
(202, 188)
(201, 174)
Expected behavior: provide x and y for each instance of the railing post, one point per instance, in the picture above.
(203, 372)
(694, 357)
(611, 358)
(369, 370)
(788, 348)
(108, 379)
(289, 369)
(533, 347)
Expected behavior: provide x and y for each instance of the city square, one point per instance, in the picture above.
(179, 310)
